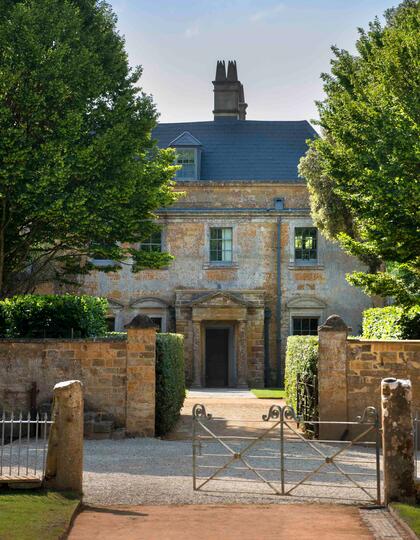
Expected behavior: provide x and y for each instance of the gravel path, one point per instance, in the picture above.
(153, 471)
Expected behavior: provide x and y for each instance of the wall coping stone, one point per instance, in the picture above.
(366, 340)
(64, 340)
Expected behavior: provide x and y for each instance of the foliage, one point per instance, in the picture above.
(80, 176)
(26, 515)
(170, 381)
(302, 360)
(362, 174)
(53, 316)
(122, 336)
(392, 322)
(410, 513)
(268, 393)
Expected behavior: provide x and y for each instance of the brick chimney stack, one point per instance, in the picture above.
(229, 99)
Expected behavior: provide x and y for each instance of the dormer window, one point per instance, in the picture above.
(187, 159)
(188, 156)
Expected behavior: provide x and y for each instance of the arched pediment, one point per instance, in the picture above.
(150, 303)
(113, 304)
(306, 302)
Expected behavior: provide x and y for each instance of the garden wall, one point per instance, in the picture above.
(370, 361)
(118, 375)
(350, 371)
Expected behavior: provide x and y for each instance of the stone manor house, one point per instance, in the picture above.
(250, 269)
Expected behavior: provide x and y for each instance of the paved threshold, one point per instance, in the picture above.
(229, 522)
(219, 393)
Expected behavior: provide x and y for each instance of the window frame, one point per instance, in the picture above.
(221, 240)
(306, 260)
(301, 318)
(147, 245)
(178, 174)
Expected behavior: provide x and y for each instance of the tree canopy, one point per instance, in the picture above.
(80, 175)
(363, 173)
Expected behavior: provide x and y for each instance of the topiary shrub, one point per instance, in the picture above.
(170, 381)
(391, 322)
(53, 316)
(302, 360)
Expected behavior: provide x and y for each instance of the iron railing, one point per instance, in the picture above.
(23, 446)
(273, 456)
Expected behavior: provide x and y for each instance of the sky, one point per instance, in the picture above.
(281, 48)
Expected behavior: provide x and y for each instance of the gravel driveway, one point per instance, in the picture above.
(153, 471)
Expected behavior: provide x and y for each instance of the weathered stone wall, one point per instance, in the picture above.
(118, 376)
(351, 370)
(315, 290)
(369, 361)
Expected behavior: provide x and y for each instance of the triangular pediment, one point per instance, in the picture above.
(185, 139)
(220, 299)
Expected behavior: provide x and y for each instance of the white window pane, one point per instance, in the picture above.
(186, 158)
(227, 256)
(227, 233)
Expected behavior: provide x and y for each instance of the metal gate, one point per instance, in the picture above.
(272, 455)
(23, 447)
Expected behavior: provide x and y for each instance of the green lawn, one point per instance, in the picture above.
(410, 513)
(28, 515)
(268, 393)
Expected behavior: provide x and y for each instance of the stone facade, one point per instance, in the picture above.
(118, 376)
(305, 290)
(242, 176)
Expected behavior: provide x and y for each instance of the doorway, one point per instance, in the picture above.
(217, 357)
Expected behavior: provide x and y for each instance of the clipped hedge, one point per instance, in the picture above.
(53, 316)
(391, 322)
(170, 381)
(302, 359)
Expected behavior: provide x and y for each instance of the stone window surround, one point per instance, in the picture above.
(222, 237)
(305, 306)
(115, 310)
(219, 223)
(153, 307)
(299, 264)
(106, 262)
(150, 306)
(306, 313)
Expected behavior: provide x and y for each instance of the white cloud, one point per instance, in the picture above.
(192, 31)
(267, 13)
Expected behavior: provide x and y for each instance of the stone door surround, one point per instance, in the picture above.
(217, 307)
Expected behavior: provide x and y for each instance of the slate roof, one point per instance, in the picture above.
(234, 150)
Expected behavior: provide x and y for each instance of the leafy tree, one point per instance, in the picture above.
(79, 172)
(363, 173)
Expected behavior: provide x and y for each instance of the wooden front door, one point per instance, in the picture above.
(217, 357)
